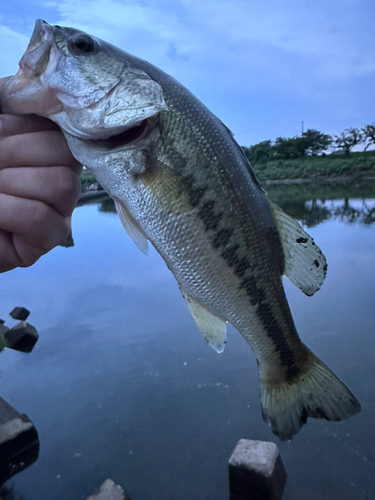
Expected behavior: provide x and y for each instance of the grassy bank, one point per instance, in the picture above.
(356, 165)
(88, 181)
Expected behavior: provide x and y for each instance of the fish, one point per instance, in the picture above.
(181, 182)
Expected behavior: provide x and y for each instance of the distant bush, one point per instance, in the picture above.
(348, 139)
(87, 180)
(306, 156)
(260, 153)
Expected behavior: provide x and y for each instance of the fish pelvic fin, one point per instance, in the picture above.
(213, 329)
(305, 264)
(316, 393)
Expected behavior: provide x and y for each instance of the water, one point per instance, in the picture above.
(121, 384)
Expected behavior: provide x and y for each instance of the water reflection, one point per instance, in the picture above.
(315, 203)
(122, 384)
(107, 205)
(347, 210)
(9, 493)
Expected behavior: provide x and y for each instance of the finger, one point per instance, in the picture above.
(15, 252)
(44, 149)
(9, 255)
(35, 224)
(3, 82)
(9, 258)
(15, 125)
(57, 186)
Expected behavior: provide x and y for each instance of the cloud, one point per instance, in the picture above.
(252, 62)
(268, 38)
(13, 45)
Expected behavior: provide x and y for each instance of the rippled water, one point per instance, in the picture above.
(121, 384)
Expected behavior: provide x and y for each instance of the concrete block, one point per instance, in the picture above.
(19, 441)
(109, 491)
(21, 337)
(256, 471)
(3, 328)
(20, 313)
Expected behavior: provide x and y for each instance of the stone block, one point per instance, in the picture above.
(21, 337)
(109, 491)
(19, 442)
(3, 328)
(256, 471)
(20, 313)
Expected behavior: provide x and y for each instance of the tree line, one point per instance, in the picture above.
(310, 143)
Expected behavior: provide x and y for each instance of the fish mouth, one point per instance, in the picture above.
(36, 57)
(26, 91)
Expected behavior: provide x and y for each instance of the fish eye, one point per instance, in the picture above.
(81, 44)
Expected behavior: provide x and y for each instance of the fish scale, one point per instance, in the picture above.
(180, 181)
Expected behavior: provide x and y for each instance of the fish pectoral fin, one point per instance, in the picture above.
(131, 226)
(213, 329)
(305, 264)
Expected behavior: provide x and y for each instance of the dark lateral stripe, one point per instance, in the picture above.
(257, 297)
(241, 267)
(240, 264)
(275, 333)
(222, 238)
(256, 294)
(208, 216)
(194, 193)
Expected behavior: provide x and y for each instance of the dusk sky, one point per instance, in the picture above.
(262, 66)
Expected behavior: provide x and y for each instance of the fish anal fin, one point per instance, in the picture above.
(131, 226)
(213, 329)
(305, 264)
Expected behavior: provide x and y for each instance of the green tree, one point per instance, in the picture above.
(293, 147)
(316, 142)
(369, 135)
(260, 153)
(348, 139)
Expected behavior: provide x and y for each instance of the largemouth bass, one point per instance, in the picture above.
(180, 181)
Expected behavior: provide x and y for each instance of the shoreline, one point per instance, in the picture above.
(318, 180)
(87, 197)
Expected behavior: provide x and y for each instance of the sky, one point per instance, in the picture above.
(262, 66)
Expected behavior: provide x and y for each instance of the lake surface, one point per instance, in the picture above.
(121, 384)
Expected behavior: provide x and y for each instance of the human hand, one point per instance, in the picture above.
(39, 188)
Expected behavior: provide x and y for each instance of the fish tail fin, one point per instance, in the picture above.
(316, 393)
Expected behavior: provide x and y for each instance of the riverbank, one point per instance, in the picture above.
(337, 167)
(342, 179)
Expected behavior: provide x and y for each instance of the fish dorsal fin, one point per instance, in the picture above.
(305, 264)
(131, 226)
(213, 329)
(228, 129)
